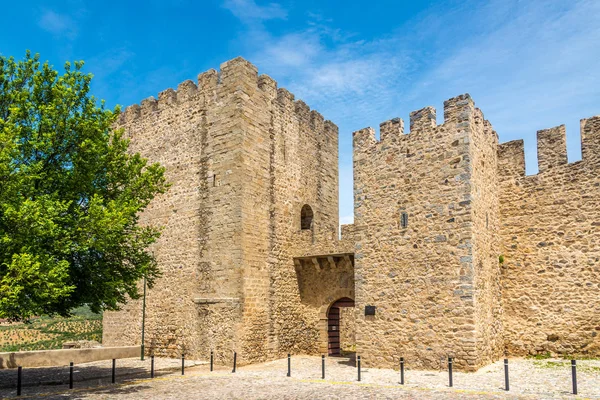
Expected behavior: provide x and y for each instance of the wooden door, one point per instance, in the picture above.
(333, 325)
(333, 331)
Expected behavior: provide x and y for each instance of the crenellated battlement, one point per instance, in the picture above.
(390, 128)
(233, 75)
(167, 97)
(590, 139)
(551, 149)
(423, 119)
(459, 112)
(511, 159)
(286, 100)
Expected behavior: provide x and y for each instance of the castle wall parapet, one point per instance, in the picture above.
(459, 112)
(551, 147)
(552, 151)
(590, 139)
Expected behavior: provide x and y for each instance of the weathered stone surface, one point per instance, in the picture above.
(435, 281)
(435, 211)
(551, 244)
(243, 158)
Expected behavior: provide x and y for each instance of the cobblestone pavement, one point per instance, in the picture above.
(529, 379)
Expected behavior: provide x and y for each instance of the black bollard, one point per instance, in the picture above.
(574, 374)
(152, 366)
(19, 380)
(234, 361)
(211, 360)
(506, 384)
(402, 370)
(182, 364)
(450, 371)
(114, 370)
(289, 365)
(71, 375)
(322, 366)
(358, 365)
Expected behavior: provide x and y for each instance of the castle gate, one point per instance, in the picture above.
(334, 326)
(326, 285)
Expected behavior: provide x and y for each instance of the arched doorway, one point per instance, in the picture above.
(334, 331)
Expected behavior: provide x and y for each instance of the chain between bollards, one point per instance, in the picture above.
(182, 364)
(402, 370)
(234, 361)
(211, 360)
(506, 383)
(152, 366)
(450, 371)
(289, 365)
(19, 379)
(114, 370)
(358, 365)
(574, 374)
(71, 375)
(323, 366)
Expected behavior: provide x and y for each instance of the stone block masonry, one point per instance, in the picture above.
(426, 205)
(243, 158)
(435, 212)
(550, 232)
(252, 260)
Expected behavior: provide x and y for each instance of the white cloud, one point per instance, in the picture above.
(536, 70)
(528, 65)
(58, 24)
(248, 11)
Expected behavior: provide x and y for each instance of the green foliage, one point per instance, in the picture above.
(565, 364)
(70, 196)
(540, 356)
(46, 333)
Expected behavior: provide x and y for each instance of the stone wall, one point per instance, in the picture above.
(179, 121)
(347, 330)
(305, 172)
(243, 158)
(550, 228)
(435, 210)
(486, 289)
(431, 280)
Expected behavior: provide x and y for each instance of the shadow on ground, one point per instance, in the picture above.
(55, 379)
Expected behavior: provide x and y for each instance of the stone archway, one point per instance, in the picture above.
(337, 329)
(323, 312)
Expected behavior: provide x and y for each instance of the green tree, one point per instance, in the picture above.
(70, 196)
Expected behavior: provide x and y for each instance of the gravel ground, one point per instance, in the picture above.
(88, 375)
(529, 379)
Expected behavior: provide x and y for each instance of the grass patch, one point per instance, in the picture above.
(45, 333)
(552, 364)
(579, 357)
(565, 364)
(541, 356)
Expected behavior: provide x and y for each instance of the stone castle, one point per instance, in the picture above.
(454, 250)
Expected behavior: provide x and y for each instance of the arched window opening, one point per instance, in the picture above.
(306, 217)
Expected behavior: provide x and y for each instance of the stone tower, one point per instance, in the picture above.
(426, 207)
(243, 158)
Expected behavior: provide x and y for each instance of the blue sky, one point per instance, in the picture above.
(529, 65)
